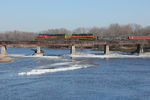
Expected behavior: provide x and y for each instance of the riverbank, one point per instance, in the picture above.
(8, 58)
(5, 59)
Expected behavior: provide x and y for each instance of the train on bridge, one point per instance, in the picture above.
(87, 37)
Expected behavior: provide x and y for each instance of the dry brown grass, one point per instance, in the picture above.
(5, 59)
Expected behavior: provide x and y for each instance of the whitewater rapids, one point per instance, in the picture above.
(52, 70)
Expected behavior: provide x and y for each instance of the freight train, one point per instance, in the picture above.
(88, 37)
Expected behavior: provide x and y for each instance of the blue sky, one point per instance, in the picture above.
(38, 15)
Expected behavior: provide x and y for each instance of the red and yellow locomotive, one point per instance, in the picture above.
(66, 37)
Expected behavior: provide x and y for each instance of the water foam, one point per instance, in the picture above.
(61, 64)
(113, 56)
(42, 71)
(43, 56)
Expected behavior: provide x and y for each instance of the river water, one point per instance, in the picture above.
(63, 77)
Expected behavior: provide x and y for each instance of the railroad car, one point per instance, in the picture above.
(139, 37)
(51, 36)
(111, 38)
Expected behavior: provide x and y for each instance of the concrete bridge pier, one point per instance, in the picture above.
(38, 52)
(140, 49)
(3, 50)
(73, 50)
(106, 49)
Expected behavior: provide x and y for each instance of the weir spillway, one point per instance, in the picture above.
(71, 44)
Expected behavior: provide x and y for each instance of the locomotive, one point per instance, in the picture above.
(66, 37)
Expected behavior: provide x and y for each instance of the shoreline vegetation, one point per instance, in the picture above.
(111, 32)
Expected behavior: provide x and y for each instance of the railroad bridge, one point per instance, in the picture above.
(71, 44)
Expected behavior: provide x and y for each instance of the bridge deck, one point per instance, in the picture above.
(68, 43)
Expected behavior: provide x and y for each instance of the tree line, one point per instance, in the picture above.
(114, 30)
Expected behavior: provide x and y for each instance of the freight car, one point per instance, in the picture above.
(139, 37)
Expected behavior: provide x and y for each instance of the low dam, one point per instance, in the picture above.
(72, 45)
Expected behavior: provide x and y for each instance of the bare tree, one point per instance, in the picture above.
(113, 30)
(81, 30)
(56, 31)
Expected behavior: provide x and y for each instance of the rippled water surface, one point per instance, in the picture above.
(61, 77)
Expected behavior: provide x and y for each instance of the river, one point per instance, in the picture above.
(63, 77)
